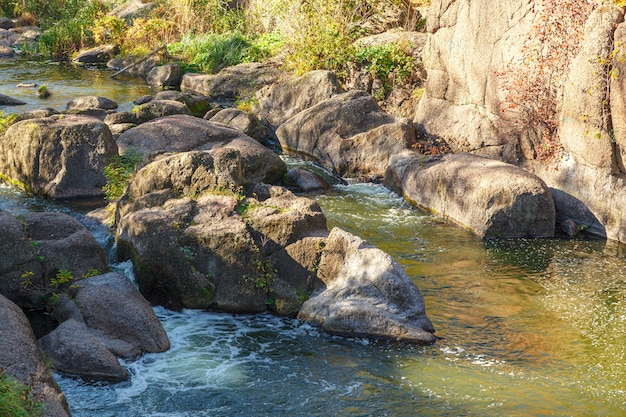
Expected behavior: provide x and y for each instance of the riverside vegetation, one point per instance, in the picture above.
(208, 35)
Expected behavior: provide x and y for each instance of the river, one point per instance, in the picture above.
(527, 327)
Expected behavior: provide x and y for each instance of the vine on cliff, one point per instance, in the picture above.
(533, 84)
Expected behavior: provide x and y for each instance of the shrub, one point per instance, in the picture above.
(390, 63)
(118, 173)
(211, 52)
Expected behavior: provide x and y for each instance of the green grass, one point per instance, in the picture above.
(16, 399)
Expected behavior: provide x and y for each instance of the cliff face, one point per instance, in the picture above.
(472, 42)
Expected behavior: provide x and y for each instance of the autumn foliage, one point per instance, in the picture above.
(533, 84)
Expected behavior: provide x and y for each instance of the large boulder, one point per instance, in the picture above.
(91, 102)
(280, 101)
(61, 157)
(98, 55)
(10, 101)
(462, 98)
(367, 294)
(348, 134)
(182, 133)
(242, 121)
(197, 241)
(586, 131)
(19, 260)
(63, 243)
(239, 82)
(74, 350)
(164, 77)
(159, 108)
(113, 306)
(490, 198)
(20, 358)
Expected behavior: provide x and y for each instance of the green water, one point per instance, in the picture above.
(528, 327)
(65, 81)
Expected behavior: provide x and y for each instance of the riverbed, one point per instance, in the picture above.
(528, 327)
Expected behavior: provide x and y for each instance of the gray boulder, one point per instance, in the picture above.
(367, 294)
(18, 261)
(91, 102)
(20, 358)
(197, 104)
(239, 82)
(159, 108)
(140, 69)
(75, 351)
(164, 77)
(183, 133)
(35, 114)
(61, 157)
(6, 51)
(488, 197)
(6, 23)
(348, 134)
(98, 55)
(242, 121)
(111, 304)
(10, 101)
(280, 101)
(305, 180)
(198, 242)
(133, 9)
(64, 244)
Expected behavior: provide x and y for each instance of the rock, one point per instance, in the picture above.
(283, 100)
(367, 294)
(197, 104)
(35, 114)
(348, 134)
(6, 23)
(462, 96)
(242, 121)
(164, 77)
(65, 245)
(75, 351)
(123, 117)
(20, 358)
(10, 101)
(133, 9)
(159, 108)
(98, 55)
(61, 157)
(585, 128)
(296, 274)
(490, 198)
(91, 102)
(195, 244)
(111, 304)
(6, 51)
(18, 261)
(140, 70)
(118, 129)
(281, 218)
(182, 133)
(305, 180)
(240, 82)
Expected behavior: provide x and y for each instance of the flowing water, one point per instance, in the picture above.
(527, 327)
